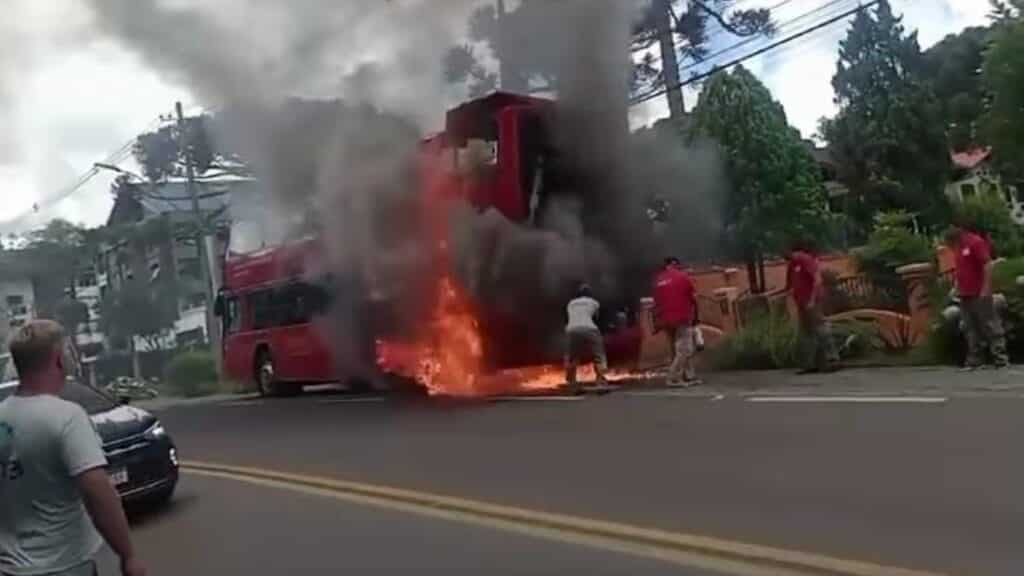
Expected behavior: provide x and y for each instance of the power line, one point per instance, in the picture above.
(755, 53)
(719, 30)
(788, 23)
(709, 60)
(116, 157)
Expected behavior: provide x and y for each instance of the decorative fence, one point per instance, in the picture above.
(859, 292)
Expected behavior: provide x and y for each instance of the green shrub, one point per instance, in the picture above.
(892, 243)
(945, 345)
(771, 341)
(768, 341)
(192, 374)
(988, 214)
(1005, 273)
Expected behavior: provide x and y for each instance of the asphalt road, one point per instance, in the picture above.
(930, 486)
(219, 527)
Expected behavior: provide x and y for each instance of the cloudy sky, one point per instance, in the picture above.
(73, 89)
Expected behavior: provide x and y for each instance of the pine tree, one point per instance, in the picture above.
(889, 136)
(775, 195)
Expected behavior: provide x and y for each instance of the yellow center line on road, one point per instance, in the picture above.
(695, 551)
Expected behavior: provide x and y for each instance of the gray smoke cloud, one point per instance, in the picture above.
(345, 169)
(385, 52)
(13, 56)
(597, 227)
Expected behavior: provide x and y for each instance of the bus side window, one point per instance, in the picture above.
(261, 304)
(293, 304)
(318, 298)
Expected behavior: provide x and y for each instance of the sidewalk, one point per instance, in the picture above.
(904, 381)
(165, 402)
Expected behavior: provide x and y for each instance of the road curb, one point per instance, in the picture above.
(779, 561)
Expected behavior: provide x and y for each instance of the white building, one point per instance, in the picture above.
(17, 300)
(974, 175)
(178, 258)
(87, 291)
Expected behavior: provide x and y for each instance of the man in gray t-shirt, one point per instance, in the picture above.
(54, 490)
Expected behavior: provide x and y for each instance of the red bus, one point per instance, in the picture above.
(276, 334)
(273, 303)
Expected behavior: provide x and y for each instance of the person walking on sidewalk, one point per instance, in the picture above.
(584, 337)
(982, 323)
(54, 490)
(675, 301)
(803, 281)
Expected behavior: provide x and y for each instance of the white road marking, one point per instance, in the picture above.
(536, 399)
(363, 400)
(678, 393)
(851, 399)
(242, 403)
(718, 397)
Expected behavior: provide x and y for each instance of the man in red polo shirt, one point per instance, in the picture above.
(675, 301)
(982, 324)
(803, 280)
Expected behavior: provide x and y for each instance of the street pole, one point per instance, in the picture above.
(504, 72)
(205, 255)
(669, 59)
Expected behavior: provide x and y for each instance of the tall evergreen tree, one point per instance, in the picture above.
(953, 67)
(775, 195)
(1003, 78)
(889, 137)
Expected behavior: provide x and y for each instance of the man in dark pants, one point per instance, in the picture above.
(803, 280)
(983, 327)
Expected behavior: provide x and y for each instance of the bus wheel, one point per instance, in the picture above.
(264, 374)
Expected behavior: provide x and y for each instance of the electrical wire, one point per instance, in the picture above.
(785, 25)
(772, 46)
(117, 156)
(831, 6)
(828, 5)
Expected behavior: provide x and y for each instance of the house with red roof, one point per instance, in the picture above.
(974, 174)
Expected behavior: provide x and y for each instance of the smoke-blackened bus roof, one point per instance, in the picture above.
(478, 118)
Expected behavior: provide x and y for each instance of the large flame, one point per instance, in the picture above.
(447, 354)
(448, 357)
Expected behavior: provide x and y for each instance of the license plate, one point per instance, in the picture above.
(119, 476)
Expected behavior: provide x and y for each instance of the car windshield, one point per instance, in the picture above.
(93, 401)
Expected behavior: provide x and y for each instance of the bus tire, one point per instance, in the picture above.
(264, 375)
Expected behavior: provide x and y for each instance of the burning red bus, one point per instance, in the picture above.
(274, 301)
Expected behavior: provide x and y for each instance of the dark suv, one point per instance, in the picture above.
(141, 457)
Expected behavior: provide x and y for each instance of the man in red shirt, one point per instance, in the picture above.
(803, 280)
(675, 302)
(982, 324)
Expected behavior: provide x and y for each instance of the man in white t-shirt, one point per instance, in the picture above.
(583, 336)
(54, 488)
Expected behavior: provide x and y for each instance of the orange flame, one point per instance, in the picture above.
(448, 358)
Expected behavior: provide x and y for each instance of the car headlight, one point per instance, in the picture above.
(156, 431)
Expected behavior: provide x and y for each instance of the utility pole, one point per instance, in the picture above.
(505, 81)
(204, 254)
(669, 58)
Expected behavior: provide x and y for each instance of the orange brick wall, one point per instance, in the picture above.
(735, 275)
